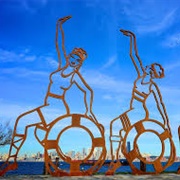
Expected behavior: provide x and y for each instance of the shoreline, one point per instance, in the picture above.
(162, 176)
(63, 161)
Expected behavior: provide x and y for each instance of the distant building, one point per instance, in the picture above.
(128, 146)
(97, 153)
(38, 155)
(84, 154)
(73, 153)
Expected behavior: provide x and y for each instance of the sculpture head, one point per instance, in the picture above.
(155, 70)
(76, 57)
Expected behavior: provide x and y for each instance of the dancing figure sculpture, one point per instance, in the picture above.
(56, 92)
(143, 87)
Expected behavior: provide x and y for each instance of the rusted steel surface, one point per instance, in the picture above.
(70, 72)
(178, 171)
(144, 86)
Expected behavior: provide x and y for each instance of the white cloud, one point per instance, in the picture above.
(172, 41)
(107, 97)
(171, 91)
(22, 72)
(105, 82)
(110, 62)
(52, 62)
(172, 66)
(160, 26)
(146, 16)
(151, 16)
(30, 6)
(15, 110)
(24, 56)
(12, 56)
(18, 109)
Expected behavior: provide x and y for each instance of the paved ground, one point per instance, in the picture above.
(167, 176)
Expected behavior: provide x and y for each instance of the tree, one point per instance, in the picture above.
(5, 134)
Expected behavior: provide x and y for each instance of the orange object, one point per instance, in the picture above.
(69, 72)
(143, 87)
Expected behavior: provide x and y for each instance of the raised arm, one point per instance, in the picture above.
(133, 48)
(160, 105)
(59, 25)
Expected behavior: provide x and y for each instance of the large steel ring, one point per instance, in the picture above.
(52, 144)
(135, 153)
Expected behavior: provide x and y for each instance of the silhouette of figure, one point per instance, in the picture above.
(56, 92)
(142, 88)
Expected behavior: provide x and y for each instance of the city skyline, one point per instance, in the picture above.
(78, 155)
(28, 56)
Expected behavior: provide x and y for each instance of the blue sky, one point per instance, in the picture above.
(28, 55)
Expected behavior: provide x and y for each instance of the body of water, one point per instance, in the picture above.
(37, 168)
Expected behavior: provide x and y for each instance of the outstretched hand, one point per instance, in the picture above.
(126, 33)
(64, 19)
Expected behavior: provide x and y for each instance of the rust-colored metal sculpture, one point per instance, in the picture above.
(70, 73)
(178, 171)
(143, 87)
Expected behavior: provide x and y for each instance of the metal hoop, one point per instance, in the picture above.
(74, 165)
(135, 153)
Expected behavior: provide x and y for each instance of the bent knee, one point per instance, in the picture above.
(26, 120)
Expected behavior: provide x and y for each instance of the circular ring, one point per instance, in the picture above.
(135, 153)
(49, 143)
